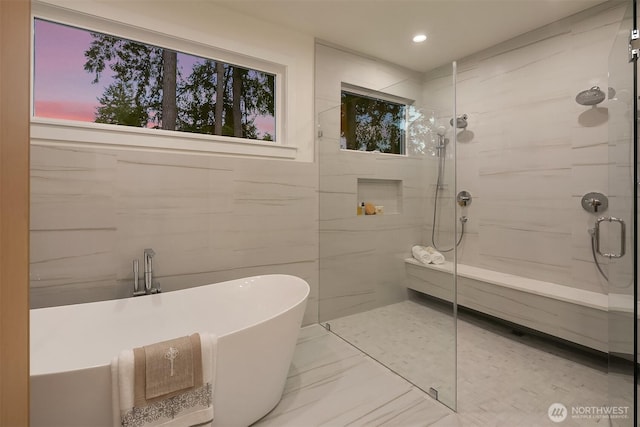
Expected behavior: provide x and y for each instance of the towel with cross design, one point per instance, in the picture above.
(166, 383)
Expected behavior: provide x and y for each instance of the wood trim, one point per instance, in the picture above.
(15, 42)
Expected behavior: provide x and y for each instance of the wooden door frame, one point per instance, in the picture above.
(15, 71)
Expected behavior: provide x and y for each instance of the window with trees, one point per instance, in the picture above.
(372, 124)
(89, 76)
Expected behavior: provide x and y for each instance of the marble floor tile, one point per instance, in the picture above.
(415, 341)
(504, 379)
(331, 383)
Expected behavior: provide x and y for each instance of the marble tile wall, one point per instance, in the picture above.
(531, 152)
(361, 257)
(208, 218)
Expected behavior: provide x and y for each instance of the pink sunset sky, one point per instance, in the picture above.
(62, 89)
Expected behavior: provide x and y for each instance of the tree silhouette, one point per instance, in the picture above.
(134, 64)
(252, 95)
(238, 75)
(169, 76)
(219, 109)
(370, 124)
(148, 90)
(118, 106)
(224, 99)
(198, 99)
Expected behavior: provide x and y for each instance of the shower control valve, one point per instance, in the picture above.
(464, 198)
(595, 202)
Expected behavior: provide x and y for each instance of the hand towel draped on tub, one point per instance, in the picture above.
(167, 383)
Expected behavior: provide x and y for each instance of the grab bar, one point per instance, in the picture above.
(623, 233)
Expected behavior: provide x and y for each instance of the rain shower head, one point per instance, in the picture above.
(593, 96)
(461, 122)
(441, 130)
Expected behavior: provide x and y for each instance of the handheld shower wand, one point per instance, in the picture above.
(441, 147)
(441, 152)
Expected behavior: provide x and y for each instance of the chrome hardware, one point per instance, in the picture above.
(464, 219)
(595, 202)
(623, 233)
(148, 273)
(136, 282)
(150, 286)
(441, 148)
(148, 269)
(464, 198)
(634, 45)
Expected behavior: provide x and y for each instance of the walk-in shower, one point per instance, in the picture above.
(518, 163)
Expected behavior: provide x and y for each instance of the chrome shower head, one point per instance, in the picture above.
(593, 96)
(461, 122)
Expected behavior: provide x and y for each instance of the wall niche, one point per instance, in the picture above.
(386, 193)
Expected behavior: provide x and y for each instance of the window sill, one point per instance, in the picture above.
(361, 152)
(59, 132)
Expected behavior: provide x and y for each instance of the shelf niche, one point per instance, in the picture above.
(381, 192)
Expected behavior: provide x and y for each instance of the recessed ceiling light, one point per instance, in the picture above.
(419, 38)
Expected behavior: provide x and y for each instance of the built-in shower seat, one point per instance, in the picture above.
(568, 313)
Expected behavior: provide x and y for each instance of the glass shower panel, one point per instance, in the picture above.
(530, 297)
(373, 292)
(618, 234)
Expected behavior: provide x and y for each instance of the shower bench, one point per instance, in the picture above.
(572, 314)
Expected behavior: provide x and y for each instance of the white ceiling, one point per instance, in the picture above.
(384, 28)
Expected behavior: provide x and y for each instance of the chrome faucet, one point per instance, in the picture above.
(150, 286)
(148, 269)
(136, 283)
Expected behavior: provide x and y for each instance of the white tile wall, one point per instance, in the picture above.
(530, 151)
(361, 257)
(208, 219)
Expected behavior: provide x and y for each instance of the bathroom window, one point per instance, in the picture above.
(88, 76)
(372, 123)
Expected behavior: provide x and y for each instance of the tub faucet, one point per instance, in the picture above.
(148, 273)
(136, 286)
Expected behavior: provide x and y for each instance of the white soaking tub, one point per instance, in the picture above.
(256, 319)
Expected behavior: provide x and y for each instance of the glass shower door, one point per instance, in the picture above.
(367, 273)
(617, 226)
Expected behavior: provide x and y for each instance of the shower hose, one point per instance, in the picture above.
(595, 257)
(435, 210)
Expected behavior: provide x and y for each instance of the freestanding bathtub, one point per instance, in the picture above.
(256, 319)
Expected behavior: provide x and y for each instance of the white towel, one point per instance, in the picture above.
(421, 254)
(196, 409)
(436, 257)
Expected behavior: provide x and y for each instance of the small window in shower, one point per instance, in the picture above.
(372, 123)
